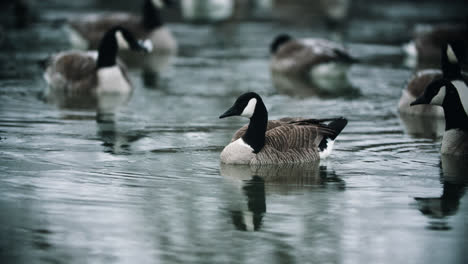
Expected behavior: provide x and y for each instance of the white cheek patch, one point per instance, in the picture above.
(147, 44)
(462, 90)
(158, 3)
(451, 55)
(250, 108)
(121, 42)
(439, 98)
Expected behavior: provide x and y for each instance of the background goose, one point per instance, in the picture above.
(450, 92)
(424, 50)
(86, 31)
(288, 140)
(322, 63)
(79, 74)
(207, 10)
(414, 89)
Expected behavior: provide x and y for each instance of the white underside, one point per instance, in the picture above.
(213, 10)
(237, 152)
(330, 76)
(326, 152)
(455, 142)
(462, 90)
(111, 80)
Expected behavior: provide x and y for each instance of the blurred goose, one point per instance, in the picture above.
(414, 89)
(287, 140)
(450, 92)
(322, 62)
(207, 10)
(84, 73)
(86, 31)
(424, 50)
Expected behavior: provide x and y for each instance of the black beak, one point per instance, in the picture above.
(230, 112)
(420, 100)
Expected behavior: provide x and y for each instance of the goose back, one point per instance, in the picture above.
(72, 72)
(290, 140)
(299, 56)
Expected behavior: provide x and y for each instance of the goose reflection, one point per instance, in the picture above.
(106, 106)
(249, 184)
(113, 140)
(250, 218)
(454, 180)
(422, 126)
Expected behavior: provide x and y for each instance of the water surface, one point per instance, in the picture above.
(145, 185)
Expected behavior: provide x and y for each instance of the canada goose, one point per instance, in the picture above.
(323, 63)
(287, 140)
(424, 50)
(450, 92)
(86, 31)
(207, 10)
(81, 74)
(414, 89)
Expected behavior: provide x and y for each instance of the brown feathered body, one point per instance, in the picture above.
(73, 79)
(287, 140)
(319, 65)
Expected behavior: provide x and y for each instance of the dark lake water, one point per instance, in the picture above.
(148, 187)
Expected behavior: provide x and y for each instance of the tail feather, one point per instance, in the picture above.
(326, 144)
(337, 125)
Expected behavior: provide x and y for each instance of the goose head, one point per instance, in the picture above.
(115, 39)
(126, 40)
(435, 93)
(246, 106)
(445, 91)
(279, 41)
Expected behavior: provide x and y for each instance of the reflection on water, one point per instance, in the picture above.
(454, 182)
(249, 183)
(250, 219)
(114, 141)
(112, 181)
(423, 126)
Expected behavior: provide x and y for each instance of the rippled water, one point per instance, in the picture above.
(146, 185)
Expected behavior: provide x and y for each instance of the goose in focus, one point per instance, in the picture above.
(450, 92)
(87, 74)
(283, 141)
(424, 50)
(85, 33)
(321, 63)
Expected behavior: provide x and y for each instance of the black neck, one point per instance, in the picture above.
(455, 115)
(255, 134)
(450, 70)
(151, 16)
(107, 51)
